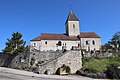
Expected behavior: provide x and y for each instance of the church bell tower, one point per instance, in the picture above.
(72, 25)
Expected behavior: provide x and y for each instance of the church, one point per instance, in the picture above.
(73, 39)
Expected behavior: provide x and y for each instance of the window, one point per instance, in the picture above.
(93, 42)
(34, 44)
(45, 42)
(73, 26)
(87, 42)
(65, 44)
(59, 43)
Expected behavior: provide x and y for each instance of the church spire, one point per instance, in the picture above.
(70, 5)
(72, 24)
(71, 16)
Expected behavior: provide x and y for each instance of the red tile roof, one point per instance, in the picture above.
(48, 36)
(88, 35)
(37, 38)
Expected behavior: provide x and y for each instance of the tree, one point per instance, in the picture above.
(116, 41)
(15, 44)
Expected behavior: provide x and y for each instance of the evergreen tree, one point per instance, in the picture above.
(15, 44)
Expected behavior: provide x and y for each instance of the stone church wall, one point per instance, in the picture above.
(96, 46)
(51, 44)
(73, 28)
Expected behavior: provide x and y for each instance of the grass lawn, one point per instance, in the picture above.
(96, 65)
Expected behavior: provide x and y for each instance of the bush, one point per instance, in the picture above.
(101, 75)
(67, 68)
(113, 72)
(92, 75)
(64, 68)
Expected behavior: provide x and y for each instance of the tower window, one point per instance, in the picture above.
(73, 26)
(45, 42)
(93, 42)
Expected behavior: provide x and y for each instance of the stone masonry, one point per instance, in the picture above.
(52, 60)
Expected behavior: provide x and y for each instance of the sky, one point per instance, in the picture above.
(32, 17)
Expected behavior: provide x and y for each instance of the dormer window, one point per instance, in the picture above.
(73, 26)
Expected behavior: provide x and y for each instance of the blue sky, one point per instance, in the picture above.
(31, 17)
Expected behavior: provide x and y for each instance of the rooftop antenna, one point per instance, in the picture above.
(70, 5)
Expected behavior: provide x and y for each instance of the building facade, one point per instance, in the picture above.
(73, 38)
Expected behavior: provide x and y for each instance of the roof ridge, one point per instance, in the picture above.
(87, 32)
(53, 33)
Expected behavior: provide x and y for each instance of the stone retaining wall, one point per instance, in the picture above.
(51, 61)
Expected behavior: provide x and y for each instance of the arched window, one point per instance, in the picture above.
(87, 42)
(45, 42)
(73, 26)
(59, 43)
(93, 42)
(34, 44)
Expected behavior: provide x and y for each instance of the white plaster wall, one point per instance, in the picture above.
(51, 44)
(97, 45)
(37, 47)
(71, 31)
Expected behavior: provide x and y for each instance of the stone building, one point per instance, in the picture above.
(72, 39)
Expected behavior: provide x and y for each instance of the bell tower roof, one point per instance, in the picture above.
(71, 17)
